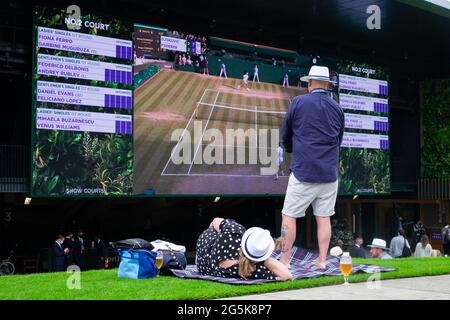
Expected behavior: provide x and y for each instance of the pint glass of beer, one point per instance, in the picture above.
(346, 266)
(159, 260)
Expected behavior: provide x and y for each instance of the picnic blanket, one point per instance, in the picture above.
(302, 266)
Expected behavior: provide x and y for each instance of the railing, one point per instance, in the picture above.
(14, 168)
(433, 189)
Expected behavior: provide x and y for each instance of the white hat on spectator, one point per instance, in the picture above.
(317, 73)
(378, 243)
(336, 251)
(257, 244)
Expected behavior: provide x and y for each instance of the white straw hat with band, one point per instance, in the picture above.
(317, 73)
(257, 244)
(378, 243)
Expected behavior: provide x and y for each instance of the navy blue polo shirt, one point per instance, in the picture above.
(312, 131)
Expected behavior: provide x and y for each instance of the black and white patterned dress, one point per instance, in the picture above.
(214, 247)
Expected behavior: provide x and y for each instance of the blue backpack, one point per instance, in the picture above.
(137, 264)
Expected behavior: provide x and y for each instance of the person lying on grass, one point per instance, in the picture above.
(226, 249)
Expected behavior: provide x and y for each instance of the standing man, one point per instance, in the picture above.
(445, 232)
(69, 245)
(312, 131)
(419, 230)
(79, 249)
(101, 252)
(398, 243)
(59, 253)
(255, 73)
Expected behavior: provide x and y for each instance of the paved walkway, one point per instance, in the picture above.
(422, 288)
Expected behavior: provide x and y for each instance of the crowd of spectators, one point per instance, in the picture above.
(399, 246)
(71, 249)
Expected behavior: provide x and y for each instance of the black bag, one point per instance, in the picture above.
(406, 252)
(172, 260)
(133, 244)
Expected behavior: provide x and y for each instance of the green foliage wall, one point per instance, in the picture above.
(435, 151)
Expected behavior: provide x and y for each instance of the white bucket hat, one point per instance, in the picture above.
(257, 244)
(378, 243)
(317, 73)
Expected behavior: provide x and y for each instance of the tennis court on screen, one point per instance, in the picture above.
(238, 117)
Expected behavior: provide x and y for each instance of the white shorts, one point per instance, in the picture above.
(299, 195)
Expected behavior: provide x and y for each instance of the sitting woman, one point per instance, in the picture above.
(423, 248)
(226, 249)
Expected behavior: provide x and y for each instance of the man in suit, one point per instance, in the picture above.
(79, 249)
(59, 253)
(69, 245)
(357, 251)
(101, 252)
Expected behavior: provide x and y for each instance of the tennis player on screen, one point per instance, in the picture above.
(244, 81)
(255, 73)
(279, 160)
(223, 70)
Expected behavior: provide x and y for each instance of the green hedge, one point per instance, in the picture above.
(145, 74)
(436, 129)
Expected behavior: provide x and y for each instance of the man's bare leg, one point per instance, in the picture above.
(288, 233)
(323, 237)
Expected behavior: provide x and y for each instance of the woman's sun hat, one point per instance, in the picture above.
(378, 243)
(317, 73)
(336, 251)
(257, 244)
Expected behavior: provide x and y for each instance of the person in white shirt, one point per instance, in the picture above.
(255, 73)
(397, 244)
(279, 160)
(223, 70)
(423, 248)
(244, 81)
(286, 80)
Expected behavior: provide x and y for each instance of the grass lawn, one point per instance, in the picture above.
(104, 284)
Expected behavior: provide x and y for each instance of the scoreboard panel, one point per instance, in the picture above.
(148, 42)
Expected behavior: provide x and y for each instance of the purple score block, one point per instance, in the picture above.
(117, 51)
(117, 98)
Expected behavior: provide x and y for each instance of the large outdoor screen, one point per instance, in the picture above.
(146, 110)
